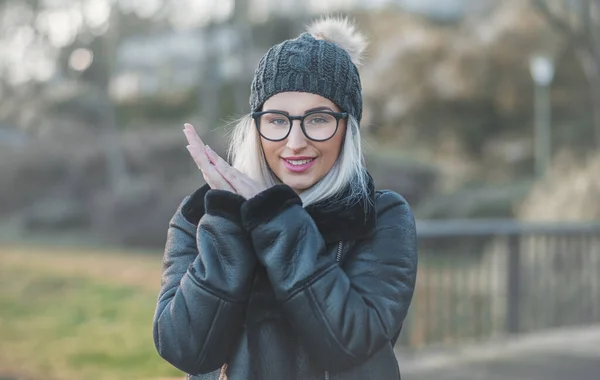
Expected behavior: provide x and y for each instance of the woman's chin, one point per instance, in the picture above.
(299, 185)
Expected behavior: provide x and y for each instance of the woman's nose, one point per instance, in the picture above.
(296, 139)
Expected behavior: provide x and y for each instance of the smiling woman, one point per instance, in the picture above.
(300, 156)
(289, 264)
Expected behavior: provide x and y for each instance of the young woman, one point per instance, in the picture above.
(288, 264)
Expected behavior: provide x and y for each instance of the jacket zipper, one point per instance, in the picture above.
(338, 257)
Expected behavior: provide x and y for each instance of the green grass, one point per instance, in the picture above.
(57, 322)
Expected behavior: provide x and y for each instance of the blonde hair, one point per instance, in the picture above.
(246, 154)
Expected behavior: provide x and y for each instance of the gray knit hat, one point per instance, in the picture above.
(322, 61)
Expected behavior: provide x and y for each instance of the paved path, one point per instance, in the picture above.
(560, 355)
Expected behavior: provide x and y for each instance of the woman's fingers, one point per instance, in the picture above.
(196, 148)
(198, 152)
(202, 164)
(217, 172)
(222, 166)
(214, 179)
(192, 136)
(244, 186)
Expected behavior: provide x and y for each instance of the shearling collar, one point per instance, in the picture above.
(336, 219)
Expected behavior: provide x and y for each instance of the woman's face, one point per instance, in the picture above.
(298, 161)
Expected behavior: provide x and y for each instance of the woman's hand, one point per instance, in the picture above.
(244, 185)
(217, 171)
(198, 152)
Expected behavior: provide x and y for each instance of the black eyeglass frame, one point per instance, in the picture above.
(337, 115)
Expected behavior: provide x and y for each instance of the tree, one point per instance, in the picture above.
(86, 29)
(579, 22)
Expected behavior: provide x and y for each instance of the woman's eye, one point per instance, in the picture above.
(279, 121)
(320, 119)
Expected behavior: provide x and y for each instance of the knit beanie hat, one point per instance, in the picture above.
(321, 61)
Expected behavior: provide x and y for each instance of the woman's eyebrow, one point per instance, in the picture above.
(322, 108)
(276, 110)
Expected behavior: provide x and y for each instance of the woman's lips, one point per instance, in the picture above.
(298, 165)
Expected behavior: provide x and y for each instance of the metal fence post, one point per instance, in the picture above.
(513, 309)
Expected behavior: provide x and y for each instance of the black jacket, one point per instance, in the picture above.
(265, 289)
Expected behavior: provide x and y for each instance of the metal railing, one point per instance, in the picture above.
(480, 279)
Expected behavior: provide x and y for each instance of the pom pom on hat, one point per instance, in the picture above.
(343, 33)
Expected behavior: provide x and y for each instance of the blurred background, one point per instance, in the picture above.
(484, 114)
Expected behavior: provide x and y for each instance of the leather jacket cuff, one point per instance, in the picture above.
(214, 202)
(224, 203)
(267, 205)
(193, 209)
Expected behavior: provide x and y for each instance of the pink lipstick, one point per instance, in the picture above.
(298, 164)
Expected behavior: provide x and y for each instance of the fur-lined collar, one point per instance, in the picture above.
(336, 219)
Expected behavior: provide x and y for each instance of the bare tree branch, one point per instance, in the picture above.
(587, 21)
(555, 20)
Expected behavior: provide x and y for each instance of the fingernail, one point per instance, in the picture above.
(209, 149)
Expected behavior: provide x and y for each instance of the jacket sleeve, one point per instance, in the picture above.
(345, 314)
(206, 281)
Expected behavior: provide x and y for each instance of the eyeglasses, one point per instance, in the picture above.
(316, 126)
